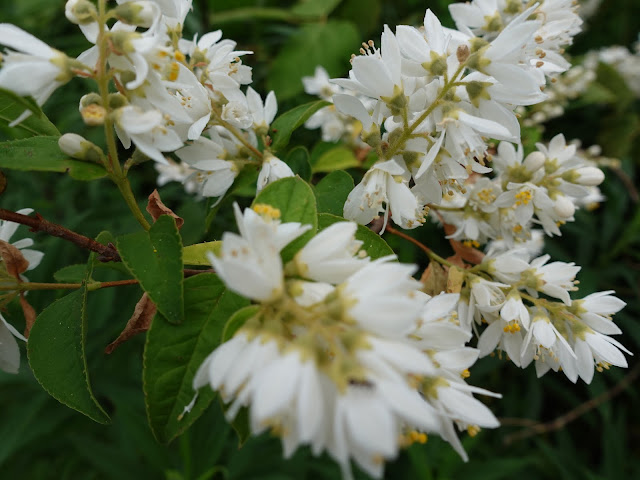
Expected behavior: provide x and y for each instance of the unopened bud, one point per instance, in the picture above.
(534, 161)
(93, 115)
(564, 207)
(590, 176)
(142, 13)
(90, 99)
(79, 148)
(462, 53)
(117, 100)
(80, 12)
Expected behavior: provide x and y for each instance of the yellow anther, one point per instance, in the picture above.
(465, 373)
(174, 70)
(486, 195)
(179, 56)
(471, 243)
(266, 211)
(523, 197)
(517, 229)
(473, 430)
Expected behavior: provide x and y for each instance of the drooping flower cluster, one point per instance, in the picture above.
(9, 350)
(532, 318)
(337, 340)
(544, 188)
(428, 99)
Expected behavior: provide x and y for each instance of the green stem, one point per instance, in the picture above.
(430, 253)
(401, 140)
(65, 286)
(112, 162)
(234, 131)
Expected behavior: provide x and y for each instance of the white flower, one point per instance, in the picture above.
(272, 169)
(7, 229)
(596, 310)
(557, 278)
(382, 290)
(9, 350)
(36, 71)
(250, 263)
(329, 256)
(262, 113)
(147, 130)
(594, 348)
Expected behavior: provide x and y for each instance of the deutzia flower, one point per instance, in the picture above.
(9, 350)
(7, 229)
(36, 71)
(272, 169)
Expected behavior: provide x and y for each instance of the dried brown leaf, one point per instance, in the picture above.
(455, 279)
(14, 261)
(139, 322)
(29, 314)
(155, 207)
(434, 279)
(468, 254)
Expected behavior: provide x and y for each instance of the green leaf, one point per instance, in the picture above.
(173, 354)
(364, 14)
(372, 243)
(314, 8)
(339, 158)
(155, 259)
(237, 320)
(328, 44)
(12, 106)
(43, 154)
(240, 424)
(57, 357)
(285, 124)
(298, 160)
(332, 192)
(71, 273)
(197, 254)
(296, 202)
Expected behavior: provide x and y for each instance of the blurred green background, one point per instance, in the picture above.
(42, 439)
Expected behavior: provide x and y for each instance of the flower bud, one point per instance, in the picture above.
(89, 99)
(79, 148)
(117, 100)
(564, 207)
(80, 12)
(93, 114)
(142, 13)
(590, 176)
(534, 161)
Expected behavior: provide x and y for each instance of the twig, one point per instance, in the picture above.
(430, 253)
(571, 415)
(38, 224)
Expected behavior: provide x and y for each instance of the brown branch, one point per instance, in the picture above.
(561, 421)
(108, 253)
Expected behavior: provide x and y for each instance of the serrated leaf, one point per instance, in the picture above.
(237, 320)
(329, 44)
(314, 8)
(71, 273)
(298, 160)
(173, 354)
(43, 154)
(285, 124)
(296, 202)
(154, 258)
(197, 254)
(12, 106)
(332, 192)
(339, 158)
(56, 354)
(372, 243)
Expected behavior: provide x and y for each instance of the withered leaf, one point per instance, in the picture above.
(434, 279)
(139, 322)
(455, 279)
(29, 314)
(156, 208)
(14, 261)
(468, 254)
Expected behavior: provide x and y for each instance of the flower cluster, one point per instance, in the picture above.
(531, 316)
(173, 94)
(337, 340)
(544, 188)
(434, 95)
